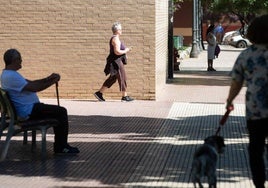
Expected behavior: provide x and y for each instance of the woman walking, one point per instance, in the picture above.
(115, 65)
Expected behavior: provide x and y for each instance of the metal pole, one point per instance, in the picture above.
(194, 51)
(170, 40)
(199, 25)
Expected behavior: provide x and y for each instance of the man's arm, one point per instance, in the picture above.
(42, 84)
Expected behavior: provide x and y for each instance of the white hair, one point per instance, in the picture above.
(116, 26)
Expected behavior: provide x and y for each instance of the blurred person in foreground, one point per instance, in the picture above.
(251, 68)
(22, 93)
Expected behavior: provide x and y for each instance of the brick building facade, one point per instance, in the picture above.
(72, 38)
(183, 21)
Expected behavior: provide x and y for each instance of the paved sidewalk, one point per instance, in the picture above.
(142, 143)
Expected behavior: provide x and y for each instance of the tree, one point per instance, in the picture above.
(239, 7)
(242, 10)
(177, 4)
(245, 9)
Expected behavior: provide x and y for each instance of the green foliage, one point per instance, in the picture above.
(244, 10)
(177, 1)
(182, 48)
(242, 7)
(177, 4)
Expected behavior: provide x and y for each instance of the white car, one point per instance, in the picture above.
(228, 35)
(240, 42)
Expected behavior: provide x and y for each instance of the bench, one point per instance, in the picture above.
(10, 122)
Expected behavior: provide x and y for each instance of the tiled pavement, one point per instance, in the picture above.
(142, 143)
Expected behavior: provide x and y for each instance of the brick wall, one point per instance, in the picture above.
(184, 28)
(72, 39)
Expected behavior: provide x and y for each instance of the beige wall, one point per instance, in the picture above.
(71, 38)
(161, 40)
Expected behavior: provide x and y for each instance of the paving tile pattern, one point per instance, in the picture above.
(133, 151)
(143, 143)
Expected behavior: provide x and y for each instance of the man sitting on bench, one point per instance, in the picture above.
(22, 93)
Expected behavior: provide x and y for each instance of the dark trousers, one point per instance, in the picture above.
(120, 76)
(258, 132)
(41, 110)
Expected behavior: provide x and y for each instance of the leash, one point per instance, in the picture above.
(57, 93)
(224, 118)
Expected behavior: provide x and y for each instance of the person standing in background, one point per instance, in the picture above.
(218, 32)
(211, 40)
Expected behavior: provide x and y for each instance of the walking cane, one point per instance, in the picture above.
(57, 93)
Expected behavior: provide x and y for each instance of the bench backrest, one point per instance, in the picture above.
(7, 109)
(9, 120)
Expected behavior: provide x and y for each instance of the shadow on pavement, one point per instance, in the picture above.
(131, 152)
(217, 78)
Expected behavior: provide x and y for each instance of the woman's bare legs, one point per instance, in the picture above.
(103, 89)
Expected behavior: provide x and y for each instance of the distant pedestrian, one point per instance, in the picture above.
(211, 40)
(115, 65)
(218, 32)
(251, 67)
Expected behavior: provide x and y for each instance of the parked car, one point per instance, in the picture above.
(228, 36)
(240, 42)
